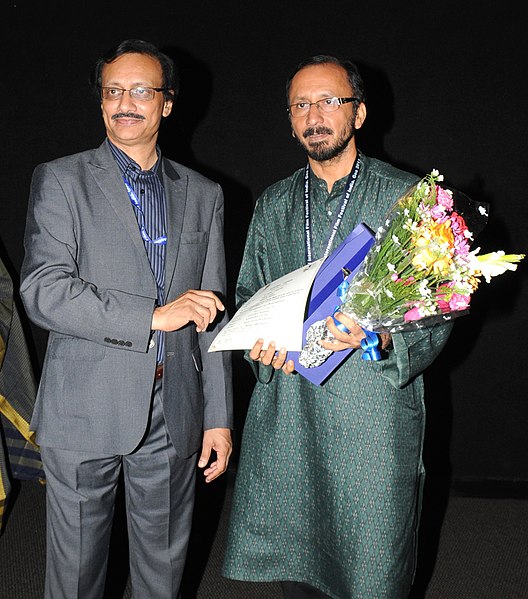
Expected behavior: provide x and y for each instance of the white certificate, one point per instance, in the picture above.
(275, 313)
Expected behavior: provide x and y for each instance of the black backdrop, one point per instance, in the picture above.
(446, 89)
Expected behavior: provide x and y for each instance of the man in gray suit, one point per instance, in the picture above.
(124, 264)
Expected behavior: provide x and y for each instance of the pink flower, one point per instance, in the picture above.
(443, 305)
(444, 204)
(443, 198)
(412, 314)
(442, 298)
(451, 302)
(461, 246)
(459, 302)
(438, 213)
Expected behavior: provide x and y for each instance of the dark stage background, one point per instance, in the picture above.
(446, 89)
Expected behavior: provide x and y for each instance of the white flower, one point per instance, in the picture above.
(429, 309)
(493, 264)
(482, 211)
(423, 187)
(391, 267)
(396, 240)
(464, 288)
(435, 173)
(424, 289)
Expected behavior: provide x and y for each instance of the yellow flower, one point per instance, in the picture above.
(434, 245)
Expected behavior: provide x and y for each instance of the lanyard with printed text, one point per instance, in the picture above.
(351, 181)
(135, 202)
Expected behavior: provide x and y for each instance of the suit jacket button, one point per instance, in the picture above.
(128, 343)
(107, 340)
(114, 341)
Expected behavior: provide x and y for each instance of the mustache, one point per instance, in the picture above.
(317, 131)
(127, 115)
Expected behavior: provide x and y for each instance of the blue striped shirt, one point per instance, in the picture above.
(148, 187)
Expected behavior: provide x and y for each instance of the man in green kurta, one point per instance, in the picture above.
(328, 487)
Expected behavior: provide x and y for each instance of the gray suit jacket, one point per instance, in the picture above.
(87, 280)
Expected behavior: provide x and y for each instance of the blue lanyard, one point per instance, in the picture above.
(162, 240)
(351, 181)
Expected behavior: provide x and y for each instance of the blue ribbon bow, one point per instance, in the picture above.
(370, 344)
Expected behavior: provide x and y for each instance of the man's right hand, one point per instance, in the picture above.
(198, 306)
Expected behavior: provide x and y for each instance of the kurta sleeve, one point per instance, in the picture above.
(254, 274)
(413, 352)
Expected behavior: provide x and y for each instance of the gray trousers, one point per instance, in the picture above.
(81, 490)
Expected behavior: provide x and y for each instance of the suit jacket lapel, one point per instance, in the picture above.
(176, 196)
(106, 175)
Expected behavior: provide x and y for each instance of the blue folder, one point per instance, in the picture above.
(324, 295)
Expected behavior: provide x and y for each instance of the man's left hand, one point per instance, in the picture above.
(352, 339)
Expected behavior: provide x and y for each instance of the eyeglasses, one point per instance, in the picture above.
(325, 105)
(137, 93)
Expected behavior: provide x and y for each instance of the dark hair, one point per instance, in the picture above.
(354, 78)
(170, 73)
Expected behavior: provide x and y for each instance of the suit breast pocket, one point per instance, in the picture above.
(194, 237)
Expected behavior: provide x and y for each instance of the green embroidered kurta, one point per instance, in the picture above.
(328, 484)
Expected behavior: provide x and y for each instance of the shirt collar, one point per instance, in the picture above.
(130, 168)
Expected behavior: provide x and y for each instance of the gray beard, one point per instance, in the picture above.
(322, 152)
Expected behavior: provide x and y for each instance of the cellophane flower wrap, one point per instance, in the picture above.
(421, 268)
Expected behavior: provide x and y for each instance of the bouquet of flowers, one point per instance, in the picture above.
(420, 269)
